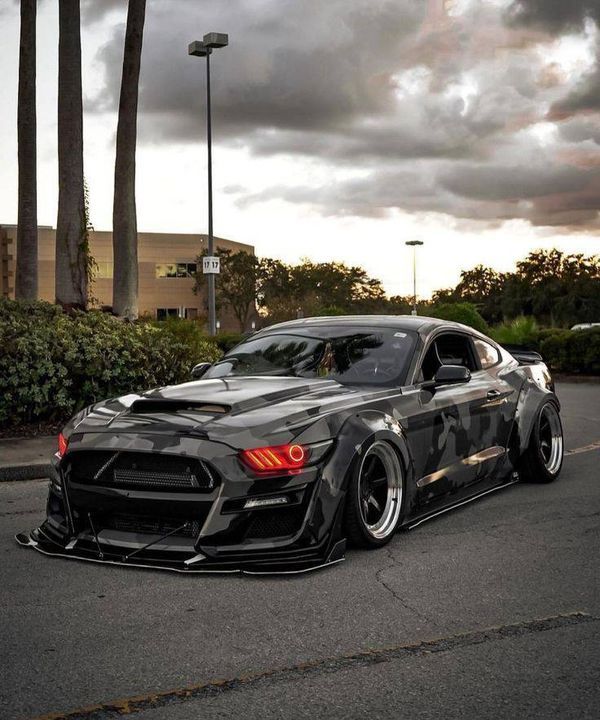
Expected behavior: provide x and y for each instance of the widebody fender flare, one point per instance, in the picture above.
(356, 434)
(531, 398)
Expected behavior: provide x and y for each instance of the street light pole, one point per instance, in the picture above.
(212, 299)
(414, 244)
(204, 49)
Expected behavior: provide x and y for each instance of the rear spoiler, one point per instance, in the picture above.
(523, 355)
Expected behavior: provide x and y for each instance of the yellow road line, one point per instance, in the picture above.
(584, 448)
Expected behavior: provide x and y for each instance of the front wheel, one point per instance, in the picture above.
(542, 460)
(375, 494)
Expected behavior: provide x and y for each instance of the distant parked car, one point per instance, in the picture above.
(305, 435)
(585, 326)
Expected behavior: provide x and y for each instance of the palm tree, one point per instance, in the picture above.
(26, 284)
(125, 280)
(71, 224)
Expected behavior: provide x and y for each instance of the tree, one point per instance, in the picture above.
(71, 224)
(334, 284)
(557, 288)
(237, 283)
(483, 287)
(275, 295)
(400, 305)
(125, 250)
(26, 281)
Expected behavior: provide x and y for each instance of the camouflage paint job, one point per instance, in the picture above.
(454, 442)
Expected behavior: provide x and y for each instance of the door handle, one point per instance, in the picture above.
(493, 394)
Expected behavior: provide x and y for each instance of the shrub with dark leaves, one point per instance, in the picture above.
(52, 364)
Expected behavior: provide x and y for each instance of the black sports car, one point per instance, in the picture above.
(307, 434)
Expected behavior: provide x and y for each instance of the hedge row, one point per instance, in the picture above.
(52, 364)
(571, 351)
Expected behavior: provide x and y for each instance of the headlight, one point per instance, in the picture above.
(63, 444)
(283, 458)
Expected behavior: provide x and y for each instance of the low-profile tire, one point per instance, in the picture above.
(375, 495)
(542, 461)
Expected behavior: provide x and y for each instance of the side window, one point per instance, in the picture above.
(447, 349)
(487, 354)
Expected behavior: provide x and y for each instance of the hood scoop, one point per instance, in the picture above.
(150, 406)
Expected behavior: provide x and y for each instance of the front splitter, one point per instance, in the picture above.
(335, 556)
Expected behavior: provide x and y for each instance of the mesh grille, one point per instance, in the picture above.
(275, 523)
(152, 525)
(147, 478)
(141, 470)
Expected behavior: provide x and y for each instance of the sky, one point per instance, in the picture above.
(341, 128)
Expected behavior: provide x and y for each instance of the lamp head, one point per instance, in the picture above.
(216, 40)
(198, 48)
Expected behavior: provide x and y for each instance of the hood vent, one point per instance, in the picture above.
(149, 406)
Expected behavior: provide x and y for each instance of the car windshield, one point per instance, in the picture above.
(348, 355)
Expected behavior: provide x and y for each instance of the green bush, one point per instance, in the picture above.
(52, 364)
(329, 310)
(572, 351)
(462, 312)
(189, 333)
(523, 330)
(227, 341)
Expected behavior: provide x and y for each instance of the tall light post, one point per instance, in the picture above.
(413, 244)
(210, 265)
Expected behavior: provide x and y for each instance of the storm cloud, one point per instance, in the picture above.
(459, 107)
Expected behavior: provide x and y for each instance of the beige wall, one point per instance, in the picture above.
(153, 249)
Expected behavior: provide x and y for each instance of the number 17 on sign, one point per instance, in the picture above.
(211, 265)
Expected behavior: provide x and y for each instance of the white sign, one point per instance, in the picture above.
(211, 265)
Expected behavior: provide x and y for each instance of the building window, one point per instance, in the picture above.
(105, 270)
(181, 312)
(178, 270)
(164, 313)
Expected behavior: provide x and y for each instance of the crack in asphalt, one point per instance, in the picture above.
(153, 701)
(19, 512)
(383, 583)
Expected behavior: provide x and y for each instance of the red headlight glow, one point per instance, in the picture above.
(276, 458)
(63, 444)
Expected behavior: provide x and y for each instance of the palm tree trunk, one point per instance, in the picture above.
(71, 248)
(26, 281)
(125, 280)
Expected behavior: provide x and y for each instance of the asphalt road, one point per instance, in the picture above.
(492, 611)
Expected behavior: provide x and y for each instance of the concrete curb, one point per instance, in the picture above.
(33, 471)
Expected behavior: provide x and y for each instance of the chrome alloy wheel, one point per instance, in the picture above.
(550, 438)
(380, 490)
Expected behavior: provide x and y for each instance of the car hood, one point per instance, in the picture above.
(234, 410)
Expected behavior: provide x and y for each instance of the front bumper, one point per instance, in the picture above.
(207, 530)
(189, 562)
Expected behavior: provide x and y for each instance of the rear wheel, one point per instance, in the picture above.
(542, 460)
(375, 494)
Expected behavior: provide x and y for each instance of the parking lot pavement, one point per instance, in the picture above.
(514, 576)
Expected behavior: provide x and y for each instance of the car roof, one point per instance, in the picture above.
(418, 323)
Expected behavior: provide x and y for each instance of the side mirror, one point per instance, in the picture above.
(452, 375)
(199, 370)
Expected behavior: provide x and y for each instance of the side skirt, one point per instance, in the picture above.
(424, 518)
